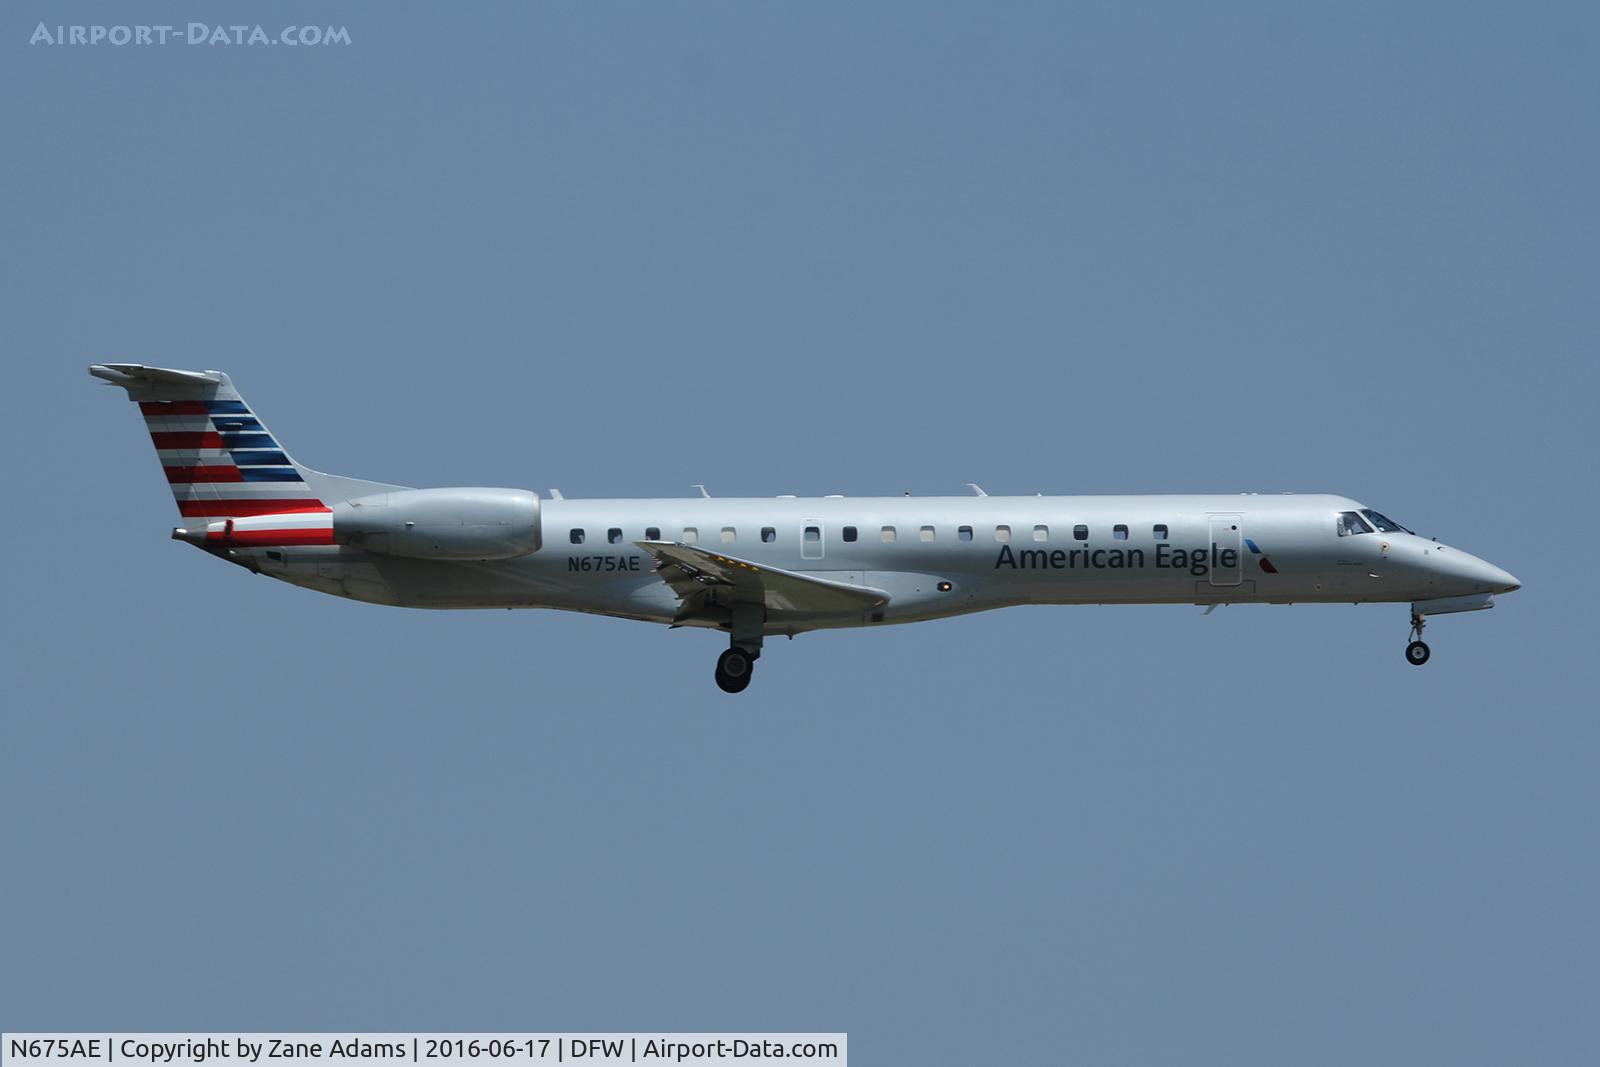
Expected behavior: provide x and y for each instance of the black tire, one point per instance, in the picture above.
(1417, 653)
(734, 668)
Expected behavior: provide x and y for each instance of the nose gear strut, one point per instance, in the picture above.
(1417, 651)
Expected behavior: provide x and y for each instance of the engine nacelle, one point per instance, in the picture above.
(464, 524)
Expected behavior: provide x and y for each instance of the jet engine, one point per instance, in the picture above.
(459, 524)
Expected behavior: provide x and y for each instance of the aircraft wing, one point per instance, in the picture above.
(701, 578)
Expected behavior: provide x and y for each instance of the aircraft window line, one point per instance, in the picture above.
(1351, 524)
(768, 535)
(1002, 533)
(691, 534)
(729, 535)
(1119, 532)
(887, 534)
(1383, 522)
(614, 536)
(813, 534)
(849, 533)
(576, 535)
(1159, 530)
(1041, 533)
(1080, 532)
(964, 533)
(927, 533)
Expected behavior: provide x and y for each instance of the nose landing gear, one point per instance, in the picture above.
(1417, 652)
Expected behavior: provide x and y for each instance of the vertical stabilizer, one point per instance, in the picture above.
(218, 457)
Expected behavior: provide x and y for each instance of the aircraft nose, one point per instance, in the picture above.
(1491, 578)
(1468, 574)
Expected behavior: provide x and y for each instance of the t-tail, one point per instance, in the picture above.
(233, 481)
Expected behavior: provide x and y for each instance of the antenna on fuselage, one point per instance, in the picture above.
(702, 491)
(977, 490)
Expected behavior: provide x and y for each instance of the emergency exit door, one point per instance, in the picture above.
(811, 543)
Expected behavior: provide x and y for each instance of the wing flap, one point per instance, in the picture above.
(697, 575)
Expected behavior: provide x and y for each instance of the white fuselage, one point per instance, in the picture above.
(930, 556)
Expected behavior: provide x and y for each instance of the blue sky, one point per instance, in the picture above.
(620, 249)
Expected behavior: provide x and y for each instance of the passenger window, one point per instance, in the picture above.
(1160, 531)
(652, 533)
(1350, 523)
(1041, 533)
(849, 533)
(813, 534)
(576, 536)
(1080, 532)
(729, 535)
(1119, 532)
(887, 533)
(768, 535)
(1002, 533)
(927, 533)
(690, 535)
(614, 536)
(964, 533)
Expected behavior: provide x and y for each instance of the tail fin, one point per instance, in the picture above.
(218, 456)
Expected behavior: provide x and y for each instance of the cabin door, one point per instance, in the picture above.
(1227, 541)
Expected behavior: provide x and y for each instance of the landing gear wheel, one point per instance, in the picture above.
(1416, 652)
(734, 668)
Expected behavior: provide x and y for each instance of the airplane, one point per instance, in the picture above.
(768, 567)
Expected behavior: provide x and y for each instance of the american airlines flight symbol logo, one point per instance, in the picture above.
(1261, 557)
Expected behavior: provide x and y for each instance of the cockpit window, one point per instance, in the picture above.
(1383, 522)
(1351, 523)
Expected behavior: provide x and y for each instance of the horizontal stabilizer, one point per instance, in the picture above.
(129, 375)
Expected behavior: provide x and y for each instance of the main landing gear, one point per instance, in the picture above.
(746, 626)
(734, 668)
(1417, 652)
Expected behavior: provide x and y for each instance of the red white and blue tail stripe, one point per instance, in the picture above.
(220, 460)
(295, 528)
